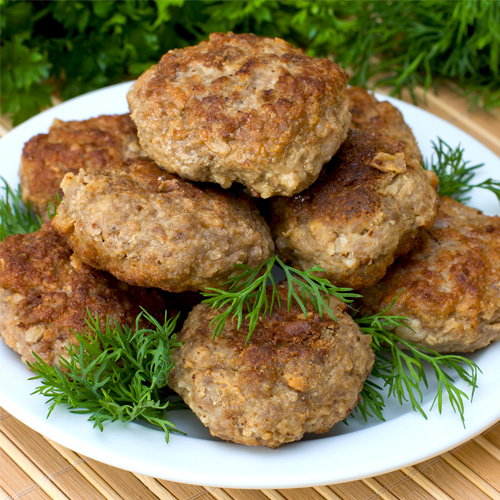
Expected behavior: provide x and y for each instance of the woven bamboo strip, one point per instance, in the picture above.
(48, 460)
(327, 493)
(55, 100)
(87, 472)
(123, 482)
(3, 130)
(378, 489)
(454, 485)
(425, 483)
(246, 494)
(488, 446)
(155, 487)
(475, 479)
(488, 121)
(356, 490)
(218, 493)
(183, 491)
(273, 495)
(4, 495)
(30, 468)
(400, 485)
(16, 482)
(480, 462)
(448, 105)
(5, 125)
(493, 435)
(301, 494)
(484, 123)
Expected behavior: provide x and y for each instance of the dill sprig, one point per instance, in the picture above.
(456, 174)
(16, 216)
(82, 46)
(399, 364)
(114, 373)
(245, 296)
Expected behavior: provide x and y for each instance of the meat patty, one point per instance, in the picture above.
(242, 108)
(449, 287)
(382, 118)
(45, 292)
(366, 207)
(150, 228)
(68, 147)
(295, 375)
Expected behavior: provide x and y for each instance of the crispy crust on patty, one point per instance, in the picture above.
(366, 207)
(240, 108)
(150, 228)
(45, 292)
(449, 287)
(295, 375)
(382, 118)
(68, 147)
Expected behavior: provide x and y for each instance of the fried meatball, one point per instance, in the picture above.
(381, 117)
(68, 147)
(242, 108)
(449, 287)
(366, 207)
(45, 291)
(150, 228)
(295, 374)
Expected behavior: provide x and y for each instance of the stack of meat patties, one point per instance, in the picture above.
(163, 201)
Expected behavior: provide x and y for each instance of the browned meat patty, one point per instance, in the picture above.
(150, 228)
(449, 287)
(45, 292)
(295, 375)
(240, 108)
(381, 117)
(366, 207)
(68, 147)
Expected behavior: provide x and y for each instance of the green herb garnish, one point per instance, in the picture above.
(245, 296)
(114, 373)
(455, 174)
(82, 46)
(117, 373)
(16, 217)
(400, 365)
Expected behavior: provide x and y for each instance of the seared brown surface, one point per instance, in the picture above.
(150, 228)
(295, 375)
(381, 117)
(462, 473)
(449, 287)
(45, 292)
(367, 205)
(70, 146)
(242, 108)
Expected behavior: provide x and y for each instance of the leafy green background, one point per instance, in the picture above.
(72, 47)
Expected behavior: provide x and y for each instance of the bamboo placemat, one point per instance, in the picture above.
(33, 467)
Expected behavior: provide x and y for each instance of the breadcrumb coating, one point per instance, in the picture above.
(68, 147)
(241, 108)
(449, 286)
(295, 375)
(45, 291)
(367, 206)
(151, 228)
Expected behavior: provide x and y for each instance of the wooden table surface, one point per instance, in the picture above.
(33, 467)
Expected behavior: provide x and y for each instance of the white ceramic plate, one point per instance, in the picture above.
(346, 453)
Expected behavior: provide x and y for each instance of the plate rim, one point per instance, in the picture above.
(206, 477)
